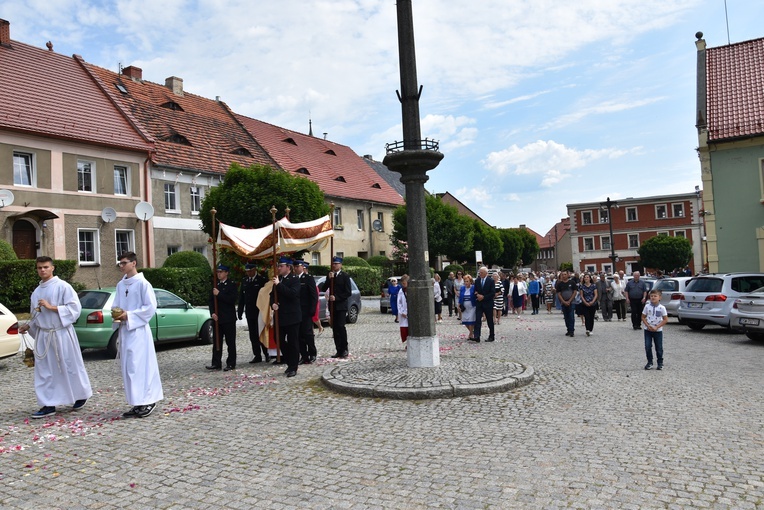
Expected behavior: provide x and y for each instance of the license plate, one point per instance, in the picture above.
(694, 305)
(749, 322)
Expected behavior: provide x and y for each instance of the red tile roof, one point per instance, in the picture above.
(735, 90)
(191, 132)
(550, 240)
(49, 94)
(449, 199)
(337, 170)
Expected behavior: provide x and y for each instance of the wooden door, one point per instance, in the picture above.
(24, 239)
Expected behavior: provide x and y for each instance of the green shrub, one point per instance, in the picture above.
(354, 261)
(193, 284)
(188, 259)
(452, 268)
(368, 279)
(18, 279)
(319, 270)
(379, 260)
(6, 251)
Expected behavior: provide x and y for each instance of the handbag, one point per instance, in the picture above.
(462, 307)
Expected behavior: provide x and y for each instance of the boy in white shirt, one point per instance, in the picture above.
(654, 317)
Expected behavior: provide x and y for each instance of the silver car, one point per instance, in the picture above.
(708, 299)
(747, 314)
(671, 292)
(354, 302)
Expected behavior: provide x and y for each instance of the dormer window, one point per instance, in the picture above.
(241, 151)
(330, 152)
(340, 179)
(290, 140)
(172, 105)
(178, 138)
(303, 171)
(376, 185)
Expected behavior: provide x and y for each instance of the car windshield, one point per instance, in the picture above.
(705, 285)
(746, 284)
(93, 299)
(667, 285)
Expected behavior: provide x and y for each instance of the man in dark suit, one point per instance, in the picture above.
(250, 288)
(338, 284)
(223, 311)
(485, 290)
(308, 302)
(285, 299)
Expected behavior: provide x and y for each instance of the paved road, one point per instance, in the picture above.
(594, 430)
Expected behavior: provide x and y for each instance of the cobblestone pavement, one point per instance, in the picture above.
(593, 430)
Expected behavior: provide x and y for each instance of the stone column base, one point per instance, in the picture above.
(423, 352)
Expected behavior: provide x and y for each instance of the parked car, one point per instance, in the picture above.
(384, 298)
(747, 314)
(671, 292)
(708, 299)
(175, 320)
(9, 333)
(649, 280)
(354, 301)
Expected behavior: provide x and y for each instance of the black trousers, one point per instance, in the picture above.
(289, 341)
(488, 311)
(254, 338)
(227, 332)
(307, 339)
(636, 312)
(339, 319)
(535, 302)
(450, 303)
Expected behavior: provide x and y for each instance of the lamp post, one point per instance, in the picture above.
(609, 204)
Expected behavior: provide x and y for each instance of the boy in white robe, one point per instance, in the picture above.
(59, 372)
(140, 370)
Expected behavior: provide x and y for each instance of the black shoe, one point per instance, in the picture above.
(228, 369)
(336, 355)
(572, 334)
(312, 359)
(213, 367)
(476, 340)
(291, 373)
(44, 411)
(648, 366)
(79, 404)
(144, 411)
(257, 360)
(267, 358)
(636, 328)
(304, 361)
(490, 339)
(132, 413)
(344, 355)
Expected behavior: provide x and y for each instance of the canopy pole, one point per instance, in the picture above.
(275, 293)
(215, 279)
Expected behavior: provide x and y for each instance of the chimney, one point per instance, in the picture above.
(132, 72)
(175, 84)
(5, 32)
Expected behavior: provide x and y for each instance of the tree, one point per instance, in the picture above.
(246, 195)
(512, 245)
(530, 246)
(448, 232)
(486, 240)
(665, 253)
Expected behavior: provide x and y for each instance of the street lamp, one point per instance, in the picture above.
(609, 204)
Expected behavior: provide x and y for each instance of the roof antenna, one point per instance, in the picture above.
(727, 19)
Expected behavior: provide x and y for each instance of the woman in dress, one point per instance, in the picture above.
(467, 306)
(437, 292)
(518, 295)
(498, 299)
(589, 300)
(402, 307)
(392, 290)
(458, 283)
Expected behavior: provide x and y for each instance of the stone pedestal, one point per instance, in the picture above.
(423, 352)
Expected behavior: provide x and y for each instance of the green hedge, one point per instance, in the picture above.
(368, 279)
(6, 251)
(190, 283)
(354, 261)
(18, 279)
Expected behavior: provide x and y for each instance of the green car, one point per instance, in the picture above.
(175, 320)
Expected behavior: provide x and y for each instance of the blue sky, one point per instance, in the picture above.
(536, 103)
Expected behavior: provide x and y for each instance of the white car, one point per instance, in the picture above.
(671, 292)
(708, 299)
(747, 314)
(10, 340)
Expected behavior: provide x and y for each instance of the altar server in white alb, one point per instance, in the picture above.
(136, 304)
(59, 373)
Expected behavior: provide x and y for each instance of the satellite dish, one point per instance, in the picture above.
(6, 197)
(377, 225)
(144, 211)
(108, 215)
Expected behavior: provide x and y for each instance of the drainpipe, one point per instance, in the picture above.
(371, 231)
(147, 228)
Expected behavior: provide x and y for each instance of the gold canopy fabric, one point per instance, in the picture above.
(258, 243)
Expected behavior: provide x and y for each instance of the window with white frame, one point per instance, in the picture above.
(24, 172)
(680, 233)
(605, 242)
(121, 180)
(88, 247)
(633, 241)
(660, 212)
(315, 258)
(171, 249)
(171, 197)
(196, 199)
(85, 176)
(631, 214)
(340, 254)
(586, 217)
(607, 268)
(201, 249)
(662, 233)
(124, 240)
(337, 217)
(588, 244)
(590, 268)
(359, 215)
(603, 216)
(677, 210)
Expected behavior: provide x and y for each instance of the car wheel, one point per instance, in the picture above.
(112, 349)
(353, 314)
(696, 326)
(207, 333)
(757, 337)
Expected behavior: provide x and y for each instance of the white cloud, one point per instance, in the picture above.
(605, 107)
(452, 131)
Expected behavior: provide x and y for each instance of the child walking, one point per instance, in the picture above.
(654, 317)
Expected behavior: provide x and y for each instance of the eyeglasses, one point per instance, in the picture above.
(124, 262)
